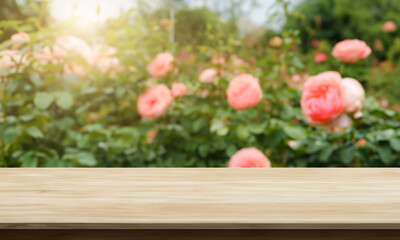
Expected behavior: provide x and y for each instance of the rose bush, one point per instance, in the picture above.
(133, 99)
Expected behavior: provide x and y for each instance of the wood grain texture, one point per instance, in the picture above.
(138, 198)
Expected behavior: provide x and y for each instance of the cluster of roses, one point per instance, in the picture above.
(98, 57)
(243, 92)
(328, 99)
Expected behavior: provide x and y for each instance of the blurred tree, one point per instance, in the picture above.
(335, 20)
(192, 24)
(22, 10)
(194, 21)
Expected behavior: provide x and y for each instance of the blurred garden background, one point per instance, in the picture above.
(199, 83)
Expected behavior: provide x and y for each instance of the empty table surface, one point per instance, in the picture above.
(199, 198)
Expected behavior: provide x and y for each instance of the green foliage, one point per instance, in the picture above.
(49, 118)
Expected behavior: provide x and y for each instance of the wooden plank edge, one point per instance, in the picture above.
(194, 226)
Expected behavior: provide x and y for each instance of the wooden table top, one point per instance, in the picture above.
(138, 198)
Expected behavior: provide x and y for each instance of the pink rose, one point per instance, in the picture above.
(108, 64)
(296, 78)
(208, 75)
(351, 50)
(203, 93)
(9, 59)
(297, 81)
(74, 45)
(161, 65)
(21, 36)
(389, 27)
(384, 103)
(244, 92)
(44, 55)
(249, 158)
(178, 89)
(238, 62)
(322, 98)
(339, 124)
(218, 60)
(104, 59)
(320, 58)
(354, 95)
(73, 68)
(154, 102)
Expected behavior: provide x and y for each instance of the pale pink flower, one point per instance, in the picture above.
(21, 36)
(297, 81)
(108, 64)
(339, 124)
(208, 75)
(249, 158)
(154, 102)
(178, 89)
(73, 68)
(320, 58)
(72, 45)
(244, 92)
(389, 27)
(353, 95)
(351, 50)
(161, 65)
(293, 144)
(11, 59)
(218, 60)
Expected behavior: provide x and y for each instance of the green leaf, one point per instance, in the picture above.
(43, 100)
(218, 127)
(29, 160)
(35, 132)
(315, 146)
(386, 134)
(64, 99)
(10, 134)
(26, 117)
(231, 150)
(256, 128)
(395, 144)
(385, 153)
(203, 150)
(82, 158)
(242, 132)
(347, 155)
(326, 153)
(11, 86)
(297, 133)
(36, 80)
(198, 124)
(274, 138)
(86, 158)
(287, 112)
(120, 92)
(301, 163)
